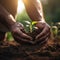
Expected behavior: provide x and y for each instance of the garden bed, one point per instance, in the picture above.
(15, 51)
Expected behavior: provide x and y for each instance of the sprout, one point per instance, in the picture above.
(30, 25)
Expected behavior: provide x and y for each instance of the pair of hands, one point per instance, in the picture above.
(19, 33)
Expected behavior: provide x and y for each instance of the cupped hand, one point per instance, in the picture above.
(45, 32)
(19, 33)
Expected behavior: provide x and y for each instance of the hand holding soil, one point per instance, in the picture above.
(45, 31)
(19, 34)
(39, 32)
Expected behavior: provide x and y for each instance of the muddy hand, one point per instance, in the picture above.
(18, 33)
(45, 33)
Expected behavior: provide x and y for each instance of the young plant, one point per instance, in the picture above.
(30, 25)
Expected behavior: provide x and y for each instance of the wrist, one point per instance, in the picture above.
(40, 24)
(6, 18)
(10, 20)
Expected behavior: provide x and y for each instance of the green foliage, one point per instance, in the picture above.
(9, 36)
(21, 17)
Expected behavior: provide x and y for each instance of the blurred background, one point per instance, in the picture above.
(51, 9)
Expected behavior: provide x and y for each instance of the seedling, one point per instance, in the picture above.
(30, 26)
(31, 29)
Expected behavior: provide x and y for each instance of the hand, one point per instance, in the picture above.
(18, 33)
(45, 32)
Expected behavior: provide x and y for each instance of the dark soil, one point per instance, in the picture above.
(34, 33)
(15, 51)
(49, 50)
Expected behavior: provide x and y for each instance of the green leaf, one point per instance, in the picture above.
(28, 22)
(34, 22)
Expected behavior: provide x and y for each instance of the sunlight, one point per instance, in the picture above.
(20, 6)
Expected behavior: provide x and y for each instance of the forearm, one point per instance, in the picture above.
(6, 18)
(34, 9)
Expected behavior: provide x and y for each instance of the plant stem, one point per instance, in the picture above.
(31, 27)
